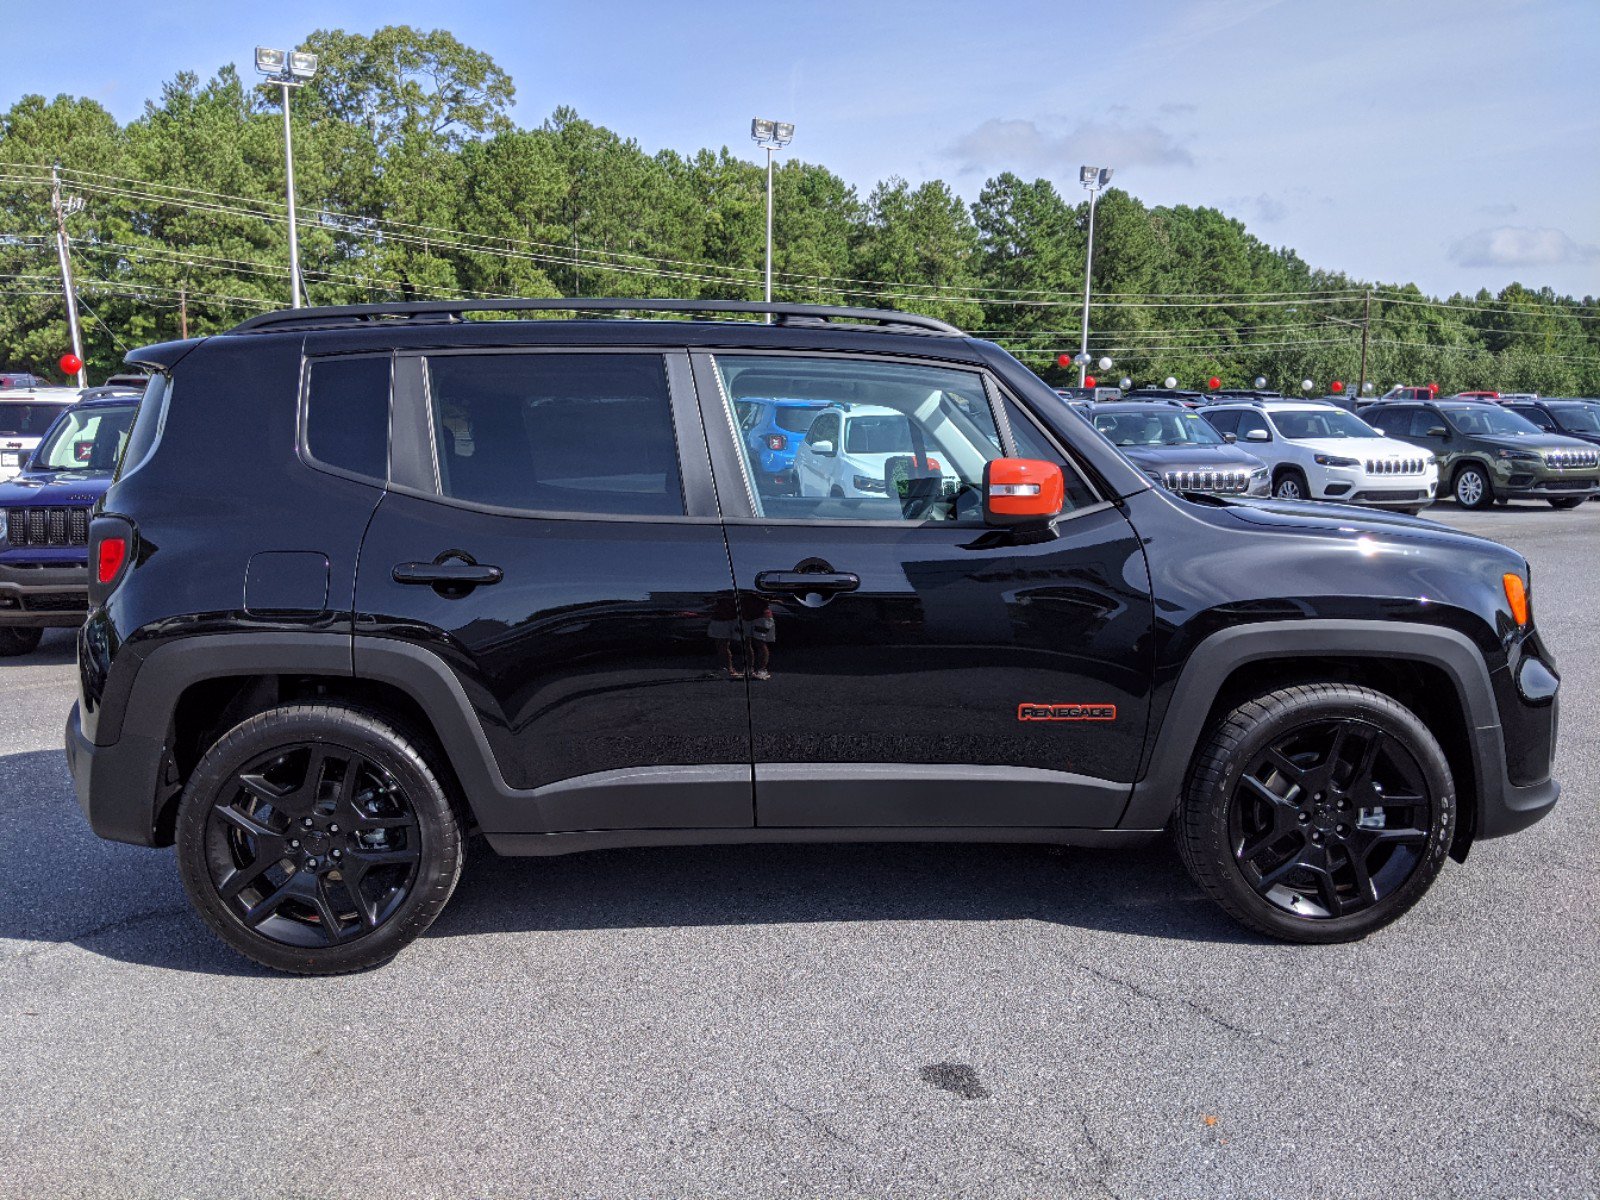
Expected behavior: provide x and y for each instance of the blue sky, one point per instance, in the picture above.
(1454, 143)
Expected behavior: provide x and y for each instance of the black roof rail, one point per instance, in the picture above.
(451, 311)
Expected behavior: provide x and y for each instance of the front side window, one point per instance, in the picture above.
(1252, 422)
(582, 434)
(87, 439)
(886, 441)
(347, 414)
(1302, 425)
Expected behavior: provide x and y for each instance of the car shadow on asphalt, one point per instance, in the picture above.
(66, 886)
(57, 648)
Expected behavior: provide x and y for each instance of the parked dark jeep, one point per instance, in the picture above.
(374, 579)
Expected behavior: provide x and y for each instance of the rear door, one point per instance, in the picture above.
(907, 666)
(552, 536)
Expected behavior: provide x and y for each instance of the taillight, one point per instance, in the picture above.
(112, 553)
(776, 441)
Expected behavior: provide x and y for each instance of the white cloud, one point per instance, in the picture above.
(1519, 246)
(1017, 145)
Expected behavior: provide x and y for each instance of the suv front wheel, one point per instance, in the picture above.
(1318, 813)
(1472, 488)
(317, 839)
(1291, 485)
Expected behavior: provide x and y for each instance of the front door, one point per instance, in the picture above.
(554, 539)
(906, 665)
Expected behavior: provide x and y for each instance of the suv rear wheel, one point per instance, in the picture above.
(15, 641)
(317, 839)
(1317, 813)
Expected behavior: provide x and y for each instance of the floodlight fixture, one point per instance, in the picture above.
(302, 65)
(762, 130)
(270, 62)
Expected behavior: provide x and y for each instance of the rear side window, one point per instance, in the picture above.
(560, 433)
(147, 425)
(347, 414)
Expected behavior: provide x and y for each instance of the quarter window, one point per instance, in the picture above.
(347, 414)
(559, 433)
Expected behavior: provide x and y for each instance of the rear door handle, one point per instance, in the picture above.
(807, 581)
(453, 573)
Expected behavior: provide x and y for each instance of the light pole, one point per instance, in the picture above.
(288, 70)
(1093, 178)
(770, 135)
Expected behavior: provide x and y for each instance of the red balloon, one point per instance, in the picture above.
(1433, 389)
(1337, 387)
(1088, 381)
(1063, 360)
(1213, 383)
(71, 364)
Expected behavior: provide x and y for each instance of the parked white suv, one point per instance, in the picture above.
(26, 415)
(1319, 451)
(847, 450)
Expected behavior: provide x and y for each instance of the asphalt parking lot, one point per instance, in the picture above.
(818, 1020)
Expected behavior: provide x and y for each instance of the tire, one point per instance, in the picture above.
(1397, 848)
(15, 641)
(1290, 484)
(282, 837)
(1566, 502)
(1471, 488)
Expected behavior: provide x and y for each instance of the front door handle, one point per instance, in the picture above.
(822, 582)
(453, 573)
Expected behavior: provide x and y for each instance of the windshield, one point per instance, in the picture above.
(88, 439)
(28, 420)
(1169, 428)
(1578, 418)
(1487, 420)
(890, 434)
(1301, 425)
(796, 418)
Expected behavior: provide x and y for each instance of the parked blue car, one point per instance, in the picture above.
(773, 429)
(44, 518)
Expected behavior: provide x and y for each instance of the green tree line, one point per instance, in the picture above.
(414, 183)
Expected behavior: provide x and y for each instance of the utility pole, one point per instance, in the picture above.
(1093, 178)
(1366, 332)
(183, 310)
(61, 206)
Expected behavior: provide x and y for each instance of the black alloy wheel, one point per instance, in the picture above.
(316, 839)
(1330, 818)
(1318, 813)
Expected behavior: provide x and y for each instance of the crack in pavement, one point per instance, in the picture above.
(1199, 1010)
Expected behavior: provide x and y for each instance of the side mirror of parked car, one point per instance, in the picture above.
(822, 449)
(1258, 435)
(1438, 431)
(1022, 491)
(1230, 438)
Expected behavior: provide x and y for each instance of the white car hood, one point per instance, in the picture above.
(1363, 448)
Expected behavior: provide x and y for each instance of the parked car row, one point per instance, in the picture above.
(1400, 455)
(60, 453)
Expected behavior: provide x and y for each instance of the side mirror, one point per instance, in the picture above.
(1258, 435)
(1230, 438)
(823, 449)
(1380, 429)
(1438, 431)
(1022, 491)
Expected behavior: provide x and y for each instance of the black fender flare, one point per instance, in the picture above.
(1498, 806)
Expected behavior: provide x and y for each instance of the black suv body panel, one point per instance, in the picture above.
(576, 701)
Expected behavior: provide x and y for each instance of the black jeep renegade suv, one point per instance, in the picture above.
(371, 579)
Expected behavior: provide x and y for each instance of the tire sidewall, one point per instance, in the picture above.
(439, 833)
(1294, 476)
(1485, 496)
(1324, 704)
